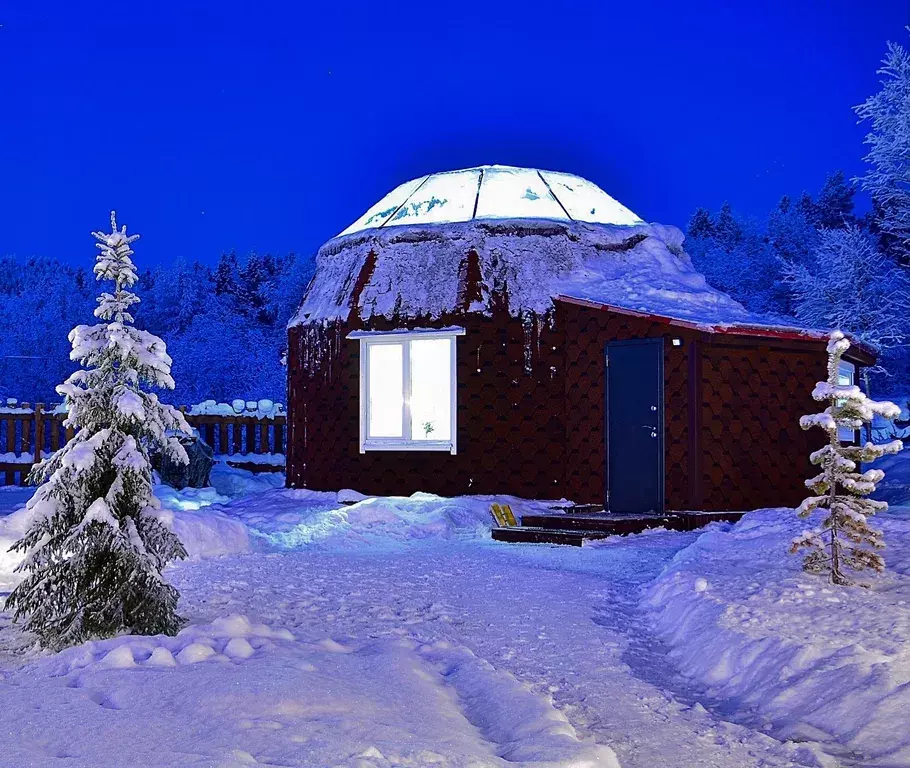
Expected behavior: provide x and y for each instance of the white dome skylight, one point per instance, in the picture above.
(494, 192)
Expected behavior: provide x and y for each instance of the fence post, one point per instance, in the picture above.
(39, 431)
(25, 445)
(264, 436)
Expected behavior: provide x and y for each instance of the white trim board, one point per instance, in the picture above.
(403, 337)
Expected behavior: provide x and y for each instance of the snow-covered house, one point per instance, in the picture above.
(510, 330)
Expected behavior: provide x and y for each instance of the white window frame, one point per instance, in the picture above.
(405, 337)
(848, 370)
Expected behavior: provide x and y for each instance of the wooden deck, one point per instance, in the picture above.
(574, 529)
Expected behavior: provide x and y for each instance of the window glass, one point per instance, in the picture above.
(431, 394)
(846, 374)
(386, 392)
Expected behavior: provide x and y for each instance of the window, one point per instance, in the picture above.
(846, 374)
(407, 390)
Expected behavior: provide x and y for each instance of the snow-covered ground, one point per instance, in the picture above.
(393, 632)
(788, 652)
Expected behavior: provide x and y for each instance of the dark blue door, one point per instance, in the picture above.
(635, 427)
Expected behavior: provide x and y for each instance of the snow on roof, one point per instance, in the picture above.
(418, 271)
(494, 192)
(538, 236)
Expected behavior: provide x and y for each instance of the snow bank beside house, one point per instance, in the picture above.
(895, 488)
(796, 655)
(14, 521)
(208, 533)
(243, 511)
(292, 519)
(204, 530)
(233, 483)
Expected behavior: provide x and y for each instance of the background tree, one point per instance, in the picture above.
(834, 206)
(849, 283)
(736, 256)
(223, 350)
(225, 275)
(888, 178)
(844, 541)
(700, 225)
(792, 237)
(97, 542)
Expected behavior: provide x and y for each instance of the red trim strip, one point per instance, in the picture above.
(796, 334)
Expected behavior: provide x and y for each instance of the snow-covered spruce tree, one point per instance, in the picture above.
(844, 541)
(97, 543)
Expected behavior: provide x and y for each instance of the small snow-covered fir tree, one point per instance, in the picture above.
(98, 541)
(844, 541)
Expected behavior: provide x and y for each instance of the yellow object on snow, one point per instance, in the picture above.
(503, 515)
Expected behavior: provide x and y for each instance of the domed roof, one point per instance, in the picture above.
(494, 192)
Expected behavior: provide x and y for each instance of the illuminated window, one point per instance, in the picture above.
(846, 374)
(407, 390)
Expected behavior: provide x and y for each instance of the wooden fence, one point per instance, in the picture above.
(248, 442)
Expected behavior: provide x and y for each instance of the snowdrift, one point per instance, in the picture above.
(235, 693)
(194, 514)
(243, 512)
(293, 519)
(805, 659)
(204, 534)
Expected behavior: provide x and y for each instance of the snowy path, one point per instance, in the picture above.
(553, 618)
(441, 652)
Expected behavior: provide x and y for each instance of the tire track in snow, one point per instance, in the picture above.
(524, 725)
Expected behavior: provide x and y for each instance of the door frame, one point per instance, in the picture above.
(661, 471)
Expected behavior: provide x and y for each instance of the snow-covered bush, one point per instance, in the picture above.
(844, 540)
(97, 544)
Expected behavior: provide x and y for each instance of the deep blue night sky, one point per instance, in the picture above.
(212, 126)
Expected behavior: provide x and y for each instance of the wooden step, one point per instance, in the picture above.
(623, 524)
(576, 509)
(526, 535)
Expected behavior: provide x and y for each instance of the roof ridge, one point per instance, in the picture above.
(405, 201)
(550, 190)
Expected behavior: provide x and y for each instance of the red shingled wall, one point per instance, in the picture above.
(753, 452)
(587, 332)
(534, 426)
(510, 421)
(740, 447)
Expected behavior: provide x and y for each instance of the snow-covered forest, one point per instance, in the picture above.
(810, 258)
(224, 325)
(816, 259)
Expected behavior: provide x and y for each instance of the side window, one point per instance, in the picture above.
(846, 374)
